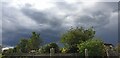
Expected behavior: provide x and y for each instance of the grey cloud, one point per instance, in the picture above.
(14, 25)
(66, 7)
(43, 17)
(98, 16)
(12, 38)
(13, 20)
(40, 17)
(97, 19)
(13, 32)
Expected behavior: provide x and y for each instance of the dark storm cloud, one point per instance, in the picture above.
(96, 19)
(54, 32)
(13, 37)
(12, 28)
(109, 35)
(40, 17)
(50, 24)
(43, 17)
(13, 31)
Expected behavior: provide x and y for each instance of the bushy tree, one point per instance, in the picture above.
(26, 45)
(118, 48)
(35, 41)
(46, 48)
(75, 36)
(23, 46)
(95, 47)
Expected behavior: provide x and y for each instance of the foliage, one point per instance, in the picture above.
(46, 48)
(35, 41)
(23, 46)
(75, 36)
(64, 50)
(72, 49)
(26, 46)
(118, 48)
(95, 47)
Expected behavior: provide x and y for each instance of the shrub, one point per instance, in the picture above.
(95, 47)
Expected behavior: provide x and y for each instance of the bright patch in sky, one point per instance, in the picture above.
(38, 4)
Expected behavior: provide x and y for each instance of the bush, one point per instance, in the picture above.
(64, 50)
(46, 48)
(95, 47)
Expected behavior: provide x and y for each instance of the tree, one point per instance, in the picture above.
(95, 47)
(23, 46)
(26, 45)
(35, 41)
(118, 48)
(75, 36)
(46, 48)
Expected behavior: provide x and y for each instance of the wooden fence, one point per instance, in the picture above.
(52, 54)
(30, 55)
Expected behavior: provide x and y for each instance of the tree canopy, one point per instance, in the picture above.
(46, 48)
(35, 41)
(23, 46)
(75, 36)
(26, 45)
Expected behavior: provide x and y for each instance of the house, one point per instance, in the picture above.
(110, 49)
(7, 48)
(107, 45)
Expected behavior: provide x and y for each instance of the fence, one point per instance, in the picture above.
(52, 54)
(58, 55)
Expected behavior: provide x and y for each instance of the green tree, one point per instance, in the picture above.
(46, 48)
(35, 41)
(95, 47)
(23, 46)
(26, 45)
(118, 48)
(75, 36)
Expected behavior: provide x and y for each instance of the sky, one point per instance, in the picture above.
(51, 18)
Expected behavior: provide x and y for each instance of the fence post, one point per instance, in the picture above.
(86, 53)
(52, 51)
(107, 53)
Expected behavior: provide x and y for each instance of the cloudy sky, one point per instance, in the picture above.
(51, 18)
